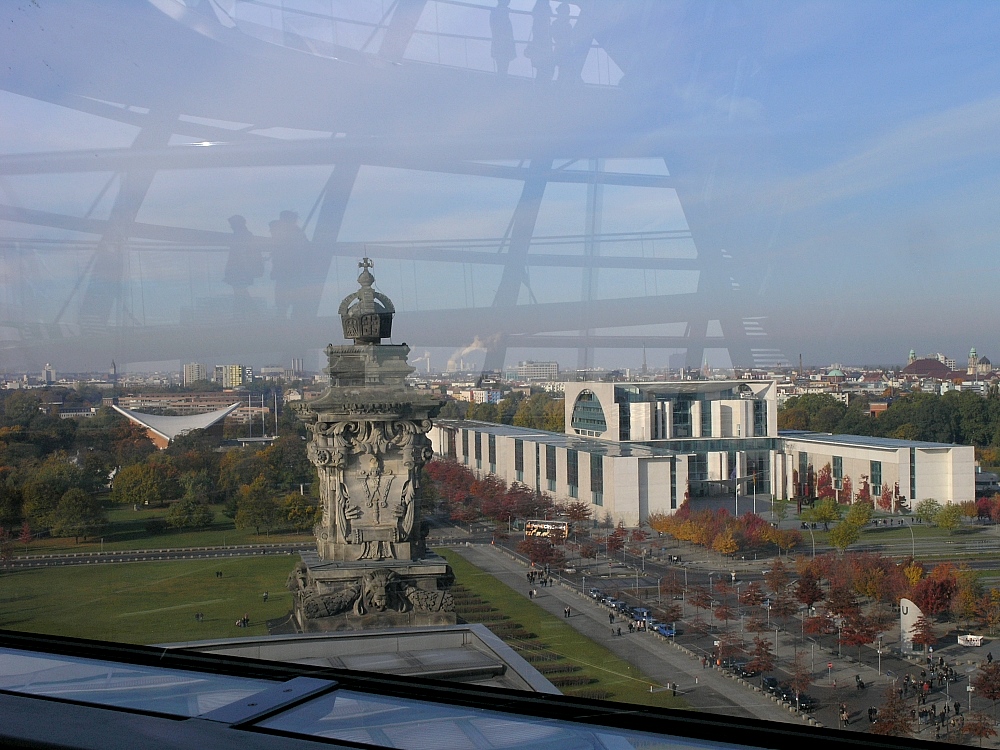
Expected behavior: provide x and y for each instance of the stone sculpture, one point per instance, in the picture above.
(369, 443)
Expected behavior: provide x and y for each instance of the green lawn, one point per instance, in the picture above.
(127, 530)
(626, 682)
(148, 602)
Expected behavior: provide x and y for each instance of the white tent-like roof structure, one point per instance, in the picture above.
(167, 428)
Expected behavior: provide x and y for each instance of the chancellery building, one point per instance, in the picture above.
(634, 449)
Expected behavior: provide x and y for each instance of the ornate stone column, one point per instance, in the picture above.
(369, 443)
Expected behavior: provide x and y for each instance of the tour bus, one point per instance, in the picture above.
(546, 528)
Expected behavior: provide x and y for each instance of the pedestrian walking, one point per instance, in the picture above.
(611, 618)
(619, 631)
(265, 596)
(989, 657)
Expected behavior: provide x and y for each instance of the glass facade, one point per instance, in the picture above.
(519, 460)
(492, 447)
(597, 478)
(588, 415)
(682, 417)
(673, 484)
(760, 417)
(876, 477)
(838, 473)
(706, 419)
(573, 472)
(550, 467)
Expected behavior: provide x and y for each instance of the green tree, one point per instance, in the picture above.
(302, 514)
(949, 517)
(78, 514)
(189, 513)
(825, 512)
(928, 509)
(45, 486)
(149, 484)
(257, 508)
(844, 534)
(859, 514)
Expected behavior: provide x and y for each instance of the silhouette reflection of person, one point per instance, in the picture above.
(539, 49)
(502, 48)
(244, 264)
(289, 264)
(564, 41)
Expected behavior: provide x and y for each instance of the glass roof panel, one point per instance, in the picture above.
(389, 721)
(168, 691)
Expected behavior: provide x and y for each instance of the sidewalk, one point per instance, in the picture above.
(704, 689)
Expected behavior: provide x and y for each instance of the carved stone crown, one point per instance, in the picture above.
(366, 314)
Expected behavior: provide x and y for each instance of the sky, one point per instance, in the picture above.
(815, 178)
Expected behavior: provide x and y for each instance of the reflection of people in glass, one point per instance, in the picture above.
(289, 264)
(539, 49)
(564, 40)
(502, 48)
(244, 264)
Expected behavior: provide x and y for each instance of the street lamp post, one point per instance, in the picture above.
(659, 599)
(880, 656)
(913, 542)
(813, 537)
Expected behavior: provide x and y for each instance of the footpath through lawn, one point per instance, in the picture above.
(571, 661)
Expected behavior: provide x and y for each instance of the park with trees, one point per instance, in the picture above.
(81, 479)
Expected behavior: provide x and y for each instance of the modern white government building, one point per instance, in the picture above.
(633, 449)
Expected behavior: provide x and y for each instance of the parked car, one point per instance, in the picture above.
(641, 613)
(596, 594)
(785, 692)
(770, 684)
(667, 631)
(745, 671)
(807, 703)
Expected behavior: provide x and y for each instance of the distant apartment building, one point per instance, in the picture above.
(537, 370)
(233, 376)
(193, 372)
(48, 374)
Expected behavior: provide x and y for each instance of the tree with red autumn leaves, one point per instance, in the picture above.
(824, 483)
(978, 725)
(934, 593)
(807, 588)
(761, 658)
(987, 683)
(885, 500)
(923, 633)
(846, 490)
(752, 596)
(894, 719)
(858, 630)
(541, 551)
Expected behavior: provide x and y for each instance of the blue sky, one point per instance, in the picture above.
(843, 157)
